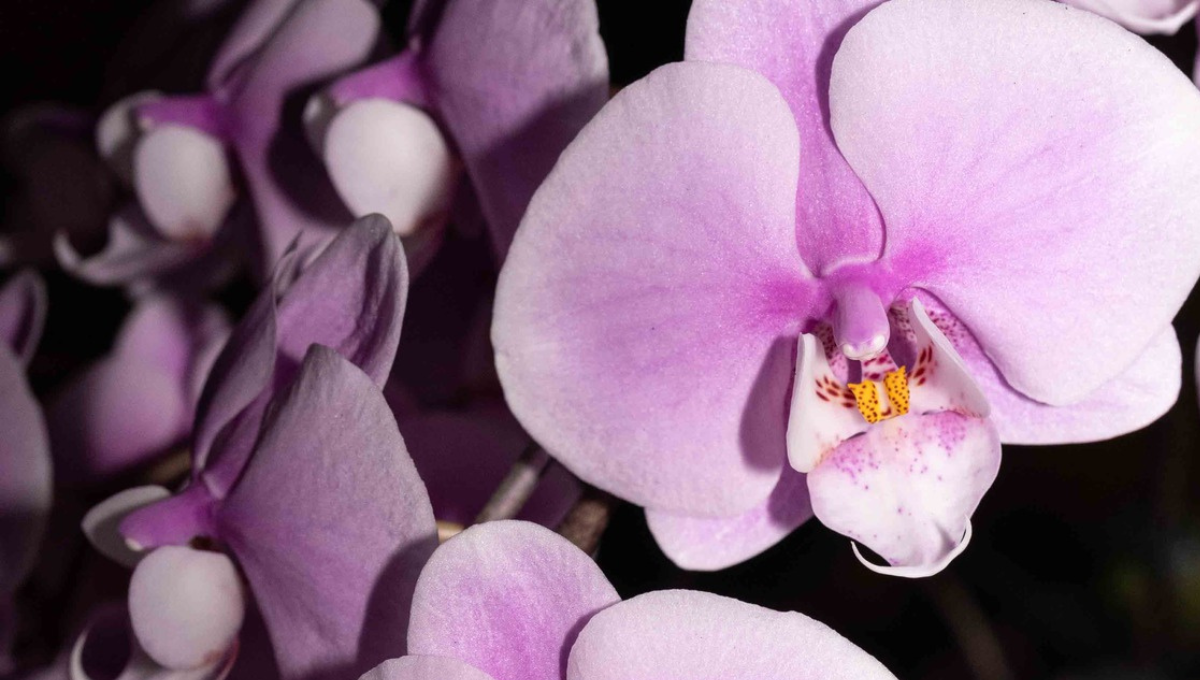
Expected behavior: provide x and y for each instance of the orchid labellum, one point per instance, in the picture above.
(833, 259)
(513, 601)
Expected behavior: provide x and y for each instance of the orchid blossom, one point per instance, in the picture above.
(860, 240)
(1143, 16)
(497, 86)
(25, 470)
(513, 601)
(138, 401)
(176, 151)
(300, 476)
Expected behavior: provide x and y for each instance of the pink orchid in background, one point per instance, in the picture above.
(863, 241)
(499, 87)
(25, 469)
(176, 150)
(299, 475)
(1143, 16)
(139, 401)
(513, 601)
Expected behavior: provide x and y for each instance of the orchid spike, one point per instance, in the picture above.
(510, 600)
(140, 400)
(299, 472)
(1164, 17)
(276, 48)
(25, 470)
(503, 86)
(837, 237)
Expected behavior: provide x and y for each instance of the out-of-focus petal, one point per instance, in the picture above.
(1143, 16)
(977, 215)
(515, 81)
(701, 636)
(319, 39)
(391, 158)
(117, 133)
(507, 598)
(708, 544)
(1128, 402)
(25, 473)
(134, 252)
(330, 523)
(100, 524)
(186, 606)
(907, 488)
(425, 668)
(23, 313)
(252, 30)
(107, 649)
(183, 182)
(121, 411)
(793, 43)
(652, 361)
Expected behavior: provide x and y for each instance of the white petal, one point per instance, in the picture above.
(183, 181)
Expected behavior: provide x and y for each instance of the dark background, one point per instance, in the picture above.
(1085, 561)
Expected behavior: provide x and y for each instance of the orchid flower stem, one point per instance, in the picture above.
(517, 486)
(980, 646)
(586, 522)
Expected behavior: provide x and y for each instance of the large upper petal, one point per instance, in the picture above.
(292, 194)
(330, 523)
(515, 81)
(25, 473)
(711, 543)
(1049, 202)
(641, 313)
(907, 488)
(507, 598)
(792, 42)
(22, 313)
(701, 636)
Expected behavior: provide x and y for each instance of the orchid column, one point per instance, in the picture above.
(861, 243)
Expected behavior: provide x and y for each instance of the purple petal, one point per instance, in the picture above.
(792, 44)
(292, 196)
(23, 313)
(25, 473)
(700, 636)
(907, 488)
(708, 544)
(330, 523)
(425, 668)
(252, 30)
(101, 523)
(1143, 16)
(976, 182)
(186, 606)
(1132, 400)
(507, 598)
(514, 83)
(677, 332)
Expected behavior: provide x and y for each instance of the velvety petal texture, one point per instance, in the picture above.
(999, 193)
(330, 523)
(514, 81)
(425, 668)
(793, 44)
(700, 636)
(653, 362)
(507, 598)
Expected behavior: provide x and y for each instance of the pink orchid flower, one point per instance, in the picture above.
(514, 601)
(828, 263)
